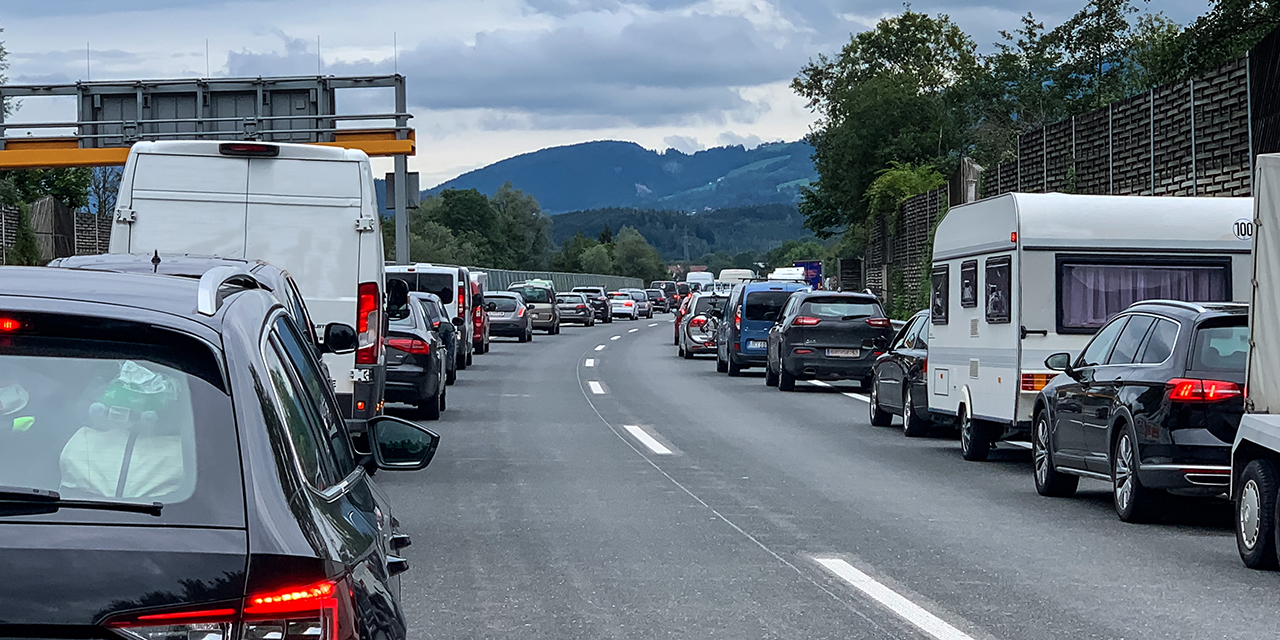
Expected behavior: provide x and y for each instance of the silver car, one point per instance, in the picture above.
(644, 306)
(508, 315)
(622, 305)
(697, 331)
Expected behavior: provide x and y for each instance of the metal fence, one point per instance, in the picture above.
(500, 279)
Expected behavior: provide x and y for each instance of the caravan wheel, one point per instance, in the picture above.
(975, 444)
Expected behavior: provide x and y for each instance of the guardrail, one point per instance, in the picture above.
(500, 279)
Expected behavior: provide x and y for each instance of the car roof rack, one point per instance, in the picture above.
(207, 299)
(1198, 307)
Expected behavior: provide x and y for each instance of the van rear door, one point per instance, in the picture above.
(199, 198)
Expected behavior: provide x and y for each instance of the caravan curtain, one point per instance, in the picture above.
(1090, 294)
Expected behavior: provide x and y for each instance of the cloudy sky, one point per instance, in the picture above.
(489, 79)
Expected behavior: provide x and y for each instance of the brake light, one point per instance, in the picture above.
(737, 318)
(882, 323)
(807, 321)
(312, 611)
(581, 307)
(1188, 390)
(248, 149)
(520, 312)
(697, 322)
(462, 301)
(1036, 381)
(802, 351)
(368, 324)
(628, 304)
(9, 324)
(409, 345)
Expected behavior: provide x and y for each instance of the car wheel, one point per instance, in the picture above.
(688, 355)
(879, 417)
(524, 337)
(429, 407)
(1049, 481)
(1133, 502)
(530, 339)
(770, 378)
(1256, 515)
(721, 365)
(732, 368)
(470, 358)
(461, 364)
(444, 393)
(451, 377)
(975, 444)
(786, 381)
(913, 425)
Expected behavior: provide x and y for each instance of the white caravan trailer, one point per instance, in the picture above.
(1019, 277)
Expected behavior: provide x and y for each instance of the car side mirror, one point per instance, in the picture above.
(400, 445)
(458, 322)
(492, 306)
(397, 293)
(1060, 362)
(339, 338)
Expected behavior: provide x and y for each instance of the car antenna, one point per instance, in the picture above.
(155, 262)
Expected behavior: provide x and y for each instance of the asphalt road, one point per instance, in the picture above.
(668, 501)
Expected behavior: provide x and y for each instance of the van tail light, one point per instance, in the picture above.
(881, 323)
(1189, 390)
(1036, 381)
(368, 324)
(409, 345)
(313, 611)
(807, 321)
(924, 368)
(252, 149)
(737, 318)
(462, 301)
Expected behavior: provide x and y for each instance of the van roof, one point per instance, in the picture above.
(288, 151)
(1073, 221)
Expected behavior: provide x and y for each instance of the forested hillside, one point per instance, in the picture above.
(681, 236)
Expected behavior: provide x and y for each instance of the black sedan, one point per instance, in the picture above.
(900, 378)
(181, 448)
(820, 335)
(437, 316)
(417, 372)
(1150, 406)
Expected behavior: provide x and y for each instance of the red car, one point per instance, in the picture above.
(680, 313)
(479, 321)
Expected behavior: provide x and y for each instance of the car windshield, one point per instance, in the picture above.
(534, 294)
(840, 308)
(1221, 348)
(760, 303)
(503, 303)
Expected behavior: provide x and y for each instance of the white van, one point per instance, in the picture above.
(704, 279)
(308, 209)
(736, 276)
(453, 286)
(788, 274)
(1019, 277)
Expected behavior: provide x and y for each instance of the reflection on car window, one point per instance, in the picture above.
(300, 422)
(1220, 349)
(1160, 342)
(1130, 339)
(504, 305)
(307, 369)
(1097, 351)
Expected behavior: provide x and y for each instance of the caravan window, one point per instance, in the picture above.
(969, 283)
(941, 294)
(1091, 292)
(999, 289)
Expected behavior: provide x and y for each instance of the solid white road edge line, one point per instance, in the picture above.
(855, 396)
(632, 330)
(596, 387)
(895, 602)
(591, 362)
(615, 337)
(647, 440)
(600, 347)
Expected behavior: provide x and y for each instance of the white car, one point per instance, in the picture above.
(622, 305)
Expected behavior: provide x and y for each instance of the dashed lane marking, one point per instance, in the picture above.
(653, 324)
(591, 362)
(906, 609)
(647, 440)
(855, 396)
(615, 337)
(596, 387)
(600, 347)
(632, 330)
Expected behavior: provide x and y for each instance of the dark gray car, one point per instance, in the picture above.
(508, 315)
(573, 307)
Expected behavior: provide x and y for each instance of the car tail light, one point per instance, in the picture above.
(248, 149)
(629, 303)
(9, 324)
(882, 323)
(520, 312)
(581, 307)
(924, 367)
(737, 318)
(409, 345)
(1036, 381)
(1188, 390)
(368, 324)
(698, 322)
(802, 351)
(807, 321)
(310, 612)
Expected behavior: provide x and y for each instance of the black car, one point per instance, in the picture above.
(182, 458)
(574, 309)
(437, 316)
(825, 335)
(417, 368)
(509, 316)
(1151, 406)
(598, 298)
(900, 378)
(659, 300)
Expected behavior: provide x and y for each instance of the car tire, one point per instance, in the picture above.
(786, 381)
(770, 378)
(1133, 502)
(1049, 481)
(429, 407)
(721, 365)
(1255, 521)
(451, 377)
(524, 337)
(732, 368)
(461, 364)
(975, 443)
(444, 397)
(879, 417)
(688, 355)
(913, 426)
(470, 358)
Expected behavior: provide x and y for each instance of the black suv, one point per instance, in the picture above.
(826, 335)
(174, 442)
(1151, 406)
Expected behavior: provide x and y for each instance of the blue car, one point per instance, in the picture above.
(742, 340)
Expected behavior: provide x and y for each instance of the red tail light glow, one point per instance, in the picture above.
(698, 322)
(737, 318)
(368, 323)
(248, 149)
(1188, 390)
(581, 307)
(462, 301)
(312, 611)
(807, 321)
(882, 323)
(520, 312)
(9, 324)
(802, 351)
(629, 303)
(409, 345)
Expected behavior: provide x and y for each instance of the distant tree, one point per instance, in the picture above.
(1226, 32)
(569, 258)
(104, 186)
(634, 257)
(606, 236)
(597, 260)
(467, 211)
(524, 236)
(25, 251)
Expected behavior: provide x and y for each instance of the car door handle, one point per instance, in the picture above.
(397, 565)
(399, 541)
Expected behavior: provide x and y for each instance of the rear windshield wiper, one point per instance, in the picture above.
(847, 318)
(46, 500)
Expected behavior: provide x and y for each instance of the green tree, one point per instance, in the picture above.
(597, 260)
(25, 251)
(570, 257)
(606, 236)
(524, 237)
(1226, 32)
(465, 211)
(897, 183)
(634, 257)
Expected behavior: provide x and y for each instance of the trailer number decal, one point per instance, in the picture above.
(1244, 229)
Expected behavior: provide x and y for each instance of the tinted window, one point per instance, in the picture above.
(300, 423)
(707, 303)
(1130, 339)
(534, 294)
(900, 340)
(1220, 349)
(505, 305)
(840, 308)
(653, 294)
(1091, 293)
(332, 426)
(682, 288)
(570, 299)
(400, 317)
(430, 310)
(761, 302)
(1160, 342)
(440, 284)
(638, 295)
(298, 308)
(1098, 350)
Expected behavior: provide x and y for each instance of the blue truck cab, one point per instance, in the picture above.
(743, 336)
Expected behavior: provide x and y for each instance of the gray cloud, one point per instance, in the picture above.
(683, 144)
(729, 139)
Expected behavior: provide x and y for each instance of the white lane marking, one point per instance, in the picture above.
(596, 387)
(615, 337)
(591, 362)
(632, 330)
(895, 602)
(647, 440)
(1017, 443)
(653, 324)
(850, 394)
(600, 347)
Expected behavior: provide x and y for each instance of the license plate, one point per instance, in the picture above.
(496, 314)
(757, 344)
(844, 353)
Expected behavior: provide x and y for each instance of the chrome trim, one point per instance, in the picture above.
(1208, 479)
(1189, 468)
(207, 302)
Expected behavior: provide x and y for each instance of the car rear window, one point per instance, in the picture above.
(570, 299)
(761, 302)
(708, 303)
(440, 284)
(503, 304)
(534, 294)
(118, 419)
(653, 294)
(1219, 348)
(840, 308)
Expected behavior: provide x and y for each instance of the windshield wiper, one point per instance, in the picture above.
(23, 498)
(855, 317)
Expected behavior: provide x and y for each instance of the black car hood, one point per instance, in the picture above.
(79, 574)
